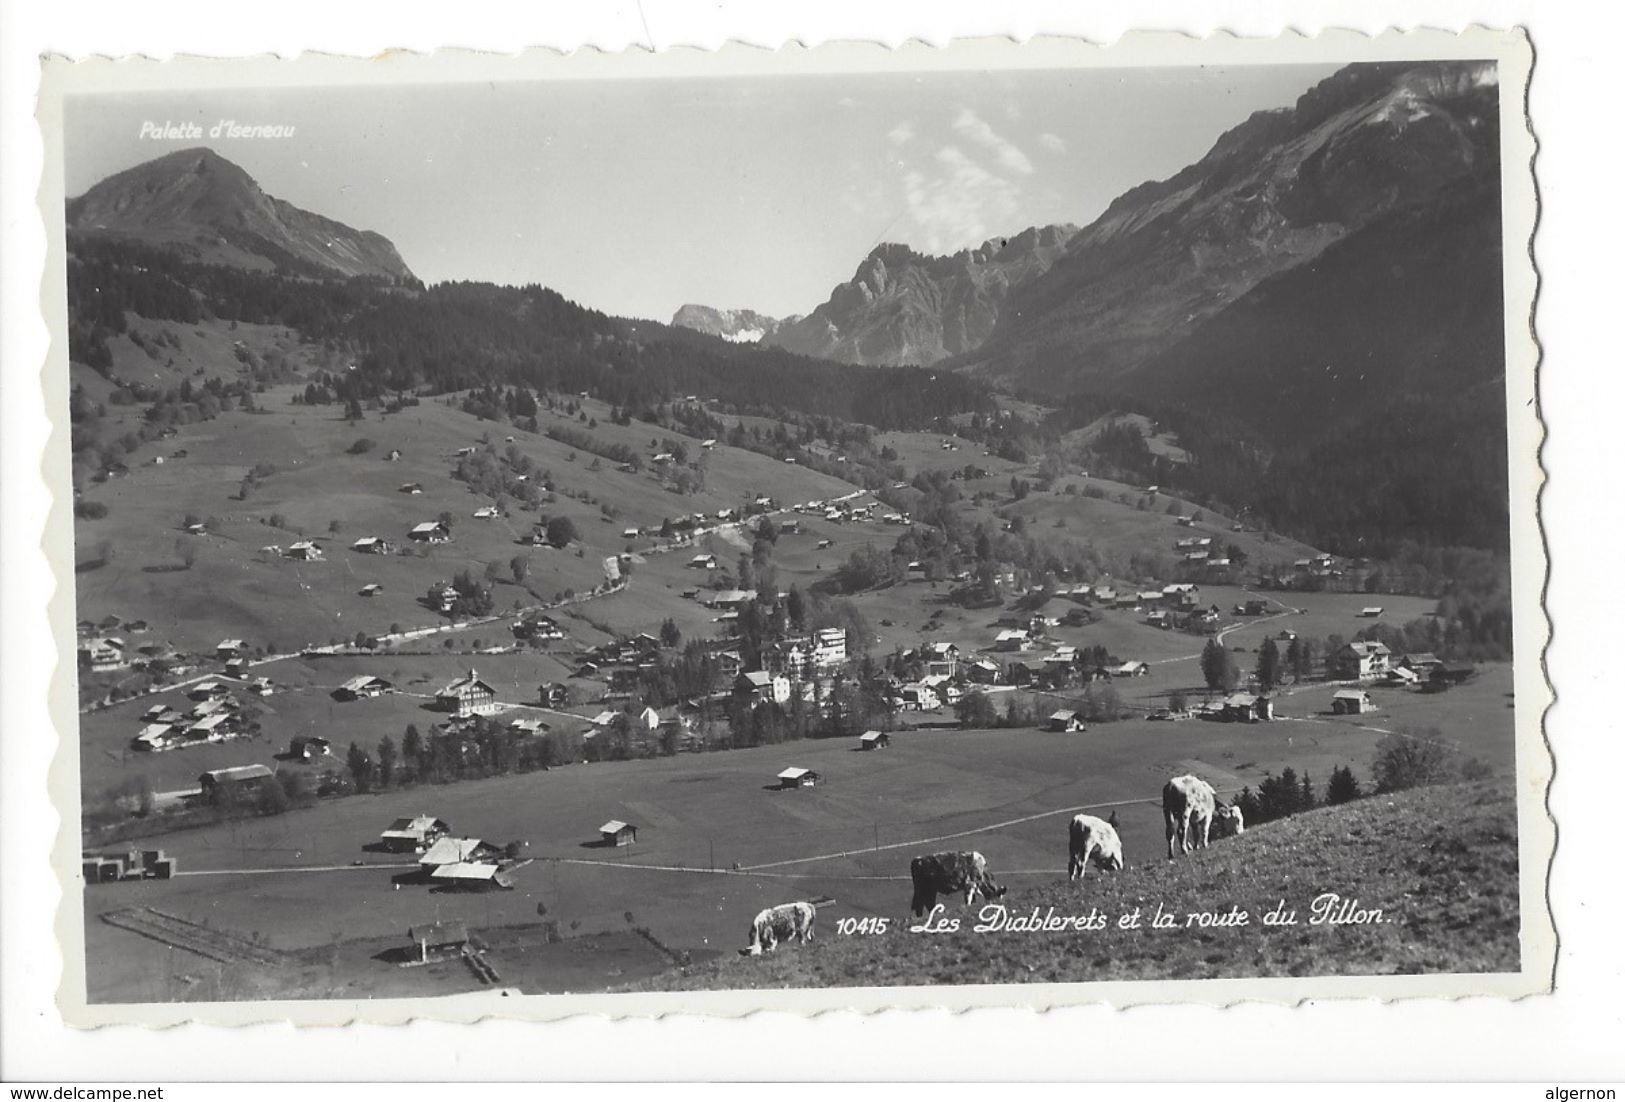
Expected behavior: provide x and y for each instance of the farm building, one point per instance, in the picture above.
(874, 740)
(371, 545)
(797, 777)
(1013, 639)
(438, 941)
(1247, 708)
(371, 589)
(1352, 702)
(939, 658)
(920, 698)
(430, 531)
(103, 655)
(1130, 669)
(1371, 612)
(237, 778)
(617, 833)
(133, 864)
(467, 696)
(454, 851)
(157, 736)
(360, 686)
(205, 691)
(229, 648)
(471, 876)
(411, 488)
(1064, 720)
(984, 671)
(303, 550)
(1422, 664)
(763, 687)
(703, 562)
(309, 747)
(410, 835)
(1358, 660)
(528, 726)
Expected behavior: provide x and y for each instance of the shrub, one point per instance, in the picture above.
(89, 510)
(361, 446)
(1407, 761)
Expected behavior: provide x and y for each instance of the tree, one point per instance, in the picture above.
(386, 761)
(1218, 668)
(360, 765)
(1178, 701)
(670, 636)
(1407, 761)
(519, 566)
(561, 531)
(1306, 793)
(1269, 665)
(1343, 787)
(412, 749)
(976, 710)
(493, 571)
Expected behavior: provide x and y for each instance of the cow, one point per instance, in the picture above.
(1093, 839)
(1188, 807)
(949, 874)
(786, 922)
(1227, 818)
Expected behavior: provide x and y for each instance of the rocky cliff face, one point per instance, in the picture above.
(1269, 198)
(197, 202)
(903, 308)
(739, 326)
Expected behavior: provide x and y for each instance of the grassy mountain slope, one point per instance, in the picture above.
(1441, 863)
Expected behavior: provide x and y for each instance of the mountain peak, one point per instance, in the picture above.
(202, 204)
(905, 307)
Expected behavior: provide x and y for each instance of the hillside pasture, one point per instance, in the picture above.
(1007, 793)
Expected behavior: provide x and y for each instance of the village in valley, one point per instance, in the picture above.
(560, 677)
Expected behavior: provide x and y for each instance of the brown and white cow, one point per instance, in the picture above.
(949, 874)
(1188, 808)
(1092, 839)
(786, 922)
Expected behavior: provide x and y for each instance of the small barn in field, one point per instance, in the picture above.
(438, 941)
(1352, 702)
(797, 777)
(617, 833)
(1064, 720)
(873, 740)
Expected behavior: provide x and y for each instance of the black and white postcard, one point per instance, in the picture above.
(992, 524)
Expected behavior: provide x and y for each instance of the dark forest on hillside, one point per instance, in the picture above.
(457, 336)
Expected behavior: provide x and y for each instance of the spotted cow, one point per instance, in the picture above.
(949, 874)
(1092, 839)
(786, 922)
(1188, 809)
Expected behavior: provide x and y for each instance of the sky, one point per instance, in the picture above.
(636, 197)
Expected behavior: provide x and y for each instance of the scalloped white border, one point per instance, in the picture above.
(1537, 836)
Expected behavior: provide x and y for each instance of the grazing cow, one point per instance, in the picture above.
(1093, 839)
(786, 922)
(1227, 818)
(1188, 808)
(949, 874)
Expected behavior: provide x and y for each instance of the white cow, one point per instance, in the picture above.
(786, 922)
(1188, 809)
(1093, 839)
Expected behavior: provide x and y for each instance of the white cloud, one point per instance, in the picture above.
(1052, 142)
(901, 134)
(971, 127)
(955, 204)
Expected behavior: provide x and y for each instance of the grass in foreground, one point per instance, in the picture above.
(1440, 864)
